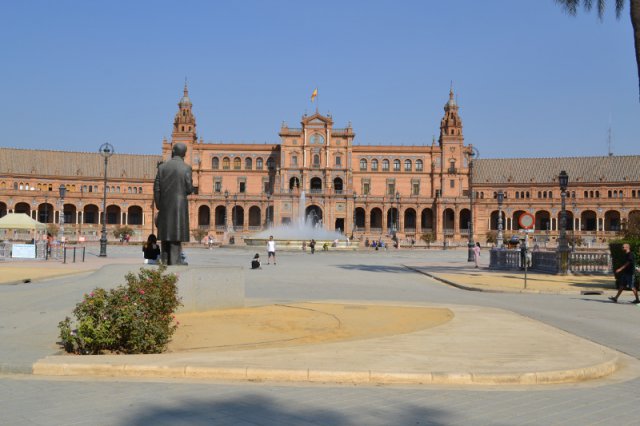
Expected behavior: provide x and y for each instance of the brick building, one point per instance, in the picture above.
(367, 190)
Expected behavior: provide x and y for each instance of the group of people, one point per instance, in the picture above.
(271, 254)
(312, 246)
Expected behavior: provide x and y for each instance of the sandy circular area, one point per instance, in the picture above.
(298, 324)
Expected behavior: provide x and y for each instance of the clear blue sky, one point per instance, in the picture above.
(531, 80)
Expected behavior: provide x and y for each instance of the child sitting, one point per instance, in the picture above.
(255, 263)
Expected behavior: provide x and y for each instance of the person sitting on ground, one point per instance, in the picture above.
(325, 247)
(151, 250)
(255, 262)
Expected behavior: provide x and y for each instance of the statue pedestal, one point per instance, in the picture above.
(203, 288)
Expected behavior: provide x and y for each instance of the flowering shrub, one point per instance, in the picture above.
(134, 318)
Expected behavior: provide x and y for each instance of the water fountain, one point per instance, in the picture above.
(305, 227)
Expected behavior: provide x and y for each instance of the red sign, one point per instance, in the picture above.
(526, 221)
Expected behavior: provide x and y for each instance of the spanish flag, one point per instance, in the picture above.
(314, 94)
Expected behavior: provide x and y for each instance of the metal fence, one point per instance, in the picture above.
(580, 262)
(44, 251)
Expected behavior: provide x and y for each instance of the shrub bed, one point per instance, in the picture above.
(134, 318)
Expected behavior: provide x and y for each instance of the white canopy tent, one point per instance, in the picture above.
(20, 223)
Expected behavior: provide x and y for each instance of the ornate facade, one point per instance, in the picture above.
(317, 171)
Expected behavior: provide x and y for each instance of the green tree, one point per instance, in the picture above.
(121, 231)
(53, 229)
(571, 6)
(427, 238)
(198, 234)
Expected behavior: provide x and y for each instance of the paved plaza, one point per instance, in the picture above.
(31, 312)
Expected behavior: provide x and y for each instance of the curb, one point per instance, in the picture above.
(18, 368)
(522, 291)
(251, 374)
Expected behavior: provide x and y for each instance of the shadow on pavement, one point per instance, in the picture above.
(375, 268)
(258, 409)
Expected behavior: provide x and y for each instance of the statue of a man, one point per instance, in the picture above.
(172, 185)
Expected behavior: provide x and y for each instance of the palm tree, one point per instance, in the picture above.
(571, 6)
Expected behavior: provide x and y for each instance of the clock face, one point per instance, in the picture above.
(317, 139)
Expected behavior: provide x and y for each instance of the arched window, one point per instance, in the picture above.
(374, 165)
(248, 163)
(419, 166)
(407, 165)
(215, 163)
(237, 163)
(363, 164)
(385, 165)
(396, 165)
(316, 160)
(258, 163)
(226, 163)
(271, 164)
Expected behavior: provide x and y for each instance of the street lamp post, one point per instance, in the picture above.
(63, 190)
(563, 247)
(106, 150)
(226, 208)
(268, 200)
(474, 153)
(397, 211)
(355, 196)
(233, 212)
(500, 237)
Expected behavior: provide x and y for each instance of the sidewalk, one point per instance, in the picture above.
(339, 343)
(350, 341)
(25, 271)
(482, 279)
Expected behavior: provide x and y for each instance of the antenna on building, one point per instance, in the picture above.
(609, 139)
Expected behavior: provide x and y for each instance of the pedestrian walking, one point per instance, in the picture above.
(625, 275)
(476, 253)
(312, 246)
(271, 250)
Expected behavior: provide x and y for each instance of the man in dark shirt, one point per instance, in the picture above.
(625, 275)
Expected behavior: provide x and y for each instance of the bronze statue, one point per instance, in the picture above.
(172, 185)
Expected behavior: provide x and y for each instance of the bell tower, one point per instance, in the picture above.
(452, 149)
(451, 124)
(184, 123)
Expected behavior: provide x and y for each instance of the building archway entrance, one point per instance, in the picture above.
(340, 225)
(313, 215)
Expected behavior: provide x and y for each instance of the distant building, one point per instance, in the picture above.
(365, 190)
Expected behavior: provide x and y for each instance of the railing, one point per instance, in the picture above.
(315, 191)
(409, 230)
(255, 228)
(448, 233)
(545, 261)
(70, 252)
(375, 230)
(590, 262)
(549, 261)
(338, 191)
(504, 259)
